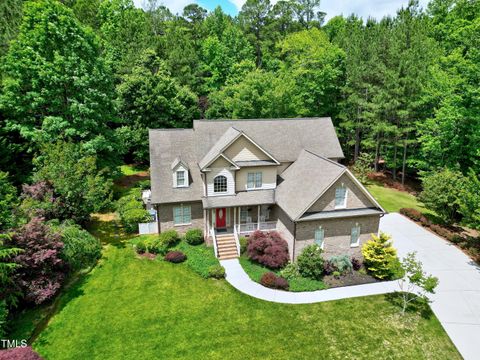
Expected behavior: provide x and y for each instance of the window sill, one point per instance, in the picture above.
(354, 245)
(182, 224)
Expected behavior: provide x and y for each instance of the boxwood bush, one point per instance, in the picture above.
(310, 262)
(216, 271)
(169, 238)
(194, 236)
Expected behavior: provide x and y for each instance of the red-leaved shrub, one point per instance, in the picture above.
(175, 257)
(273, 281)
(19, 353)
(42, 269)
(415, 215)
(356, 263)
(268, 279)
(268, 248)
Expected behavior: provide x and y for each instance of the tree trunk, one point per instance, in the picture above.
(357, 142)
(404, 163)
(377, 152)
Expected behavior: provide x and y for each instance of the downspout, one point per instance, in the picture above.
(294, 239)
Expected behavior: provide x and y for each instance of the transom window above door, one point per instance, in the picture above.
(254, 180)
(220, 184)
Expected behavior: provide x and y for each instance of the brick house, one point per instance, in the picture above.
(232, 177)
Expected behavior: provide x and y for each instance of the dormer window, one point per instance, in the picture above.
(220, 184)
(181, 181)
(341, 197)
(180, 174)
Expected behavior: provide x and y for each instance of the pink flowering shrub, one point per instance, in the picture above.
(41, 269)
(19, 353)
(268, 248)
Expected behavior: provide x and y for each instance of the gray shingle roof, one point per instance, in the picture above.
(243, 198)
(284, 139)
(225, 139)
(304, 181)
(340, 214)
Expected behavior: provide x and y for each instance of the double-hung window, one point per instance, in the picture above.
(355, 236)
(182, 215)
(180, 178)
(341, 197)
(254, 180)
(243, 214)
(319, 236)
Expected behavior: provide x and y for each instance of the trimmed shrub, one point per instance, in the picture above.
(440, 230)
(153, 245)
(19, 353)
(290, 271)
(281, 283)
(380, 257)
(194, 236)
(216, 272)
(310, 262)
(131, 211)
(80, 249)
(175, 257)
(356, 263)
(168, 238)
(243, 244)
(268, 279)
(273, 281)
(268, 248)
(140, 247)
(328, 267)
(341, 263)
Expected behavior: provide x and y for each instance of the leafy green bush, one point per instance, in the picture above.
(243, 244)
(216, 271)
(199, 258)
(169, 238)
(131, 211)
(469, 200)
(310, 262)
(341, 263)
(141, 247)
(154, 245)
(3, 318)
(441, 191)
(290, 271)
(194, 236)
(380, 257)
(80, 249)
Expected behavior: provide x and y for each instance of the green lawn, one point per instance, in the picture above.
(255, 272)
(393, 200)
(135, 308)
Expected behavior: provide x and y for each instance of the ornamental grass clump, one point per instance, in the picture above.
(380, 257)
(268, 248)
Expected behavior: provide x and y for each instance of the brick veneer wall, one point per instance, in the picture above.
(165, 216)
(337, 234)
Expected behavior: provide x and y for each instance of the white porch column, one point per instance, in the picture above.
(258, 218)
(234, 219)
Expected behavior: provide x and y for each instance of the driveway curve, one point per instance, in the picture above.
(457, 299)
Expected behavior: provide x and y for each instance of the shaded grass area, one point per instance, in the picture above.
(131, 308)
(393, 200)
(255, 272)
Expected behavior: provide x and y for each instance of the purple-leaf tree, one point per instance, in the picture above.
(41, 270)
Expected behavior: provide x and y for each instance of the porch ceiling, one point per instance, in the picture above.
(244, 198)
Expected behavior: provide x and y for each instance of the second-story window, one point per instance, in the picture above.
(180, 178)
(220, 184)
(254, 180)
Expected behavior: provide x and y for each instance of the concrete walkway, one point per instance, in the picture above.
(457, 299)
(456, 302)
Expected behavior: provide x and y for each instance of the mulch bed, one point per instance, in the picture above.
(410, 186)
(348, 279)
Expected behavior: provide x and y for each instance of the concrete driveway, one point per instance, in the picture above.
(457, 299)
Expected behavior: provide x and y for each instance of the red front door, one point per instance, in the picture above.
(221, 218)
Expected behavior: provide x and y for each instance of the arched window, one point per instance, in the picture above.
(220, 184)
